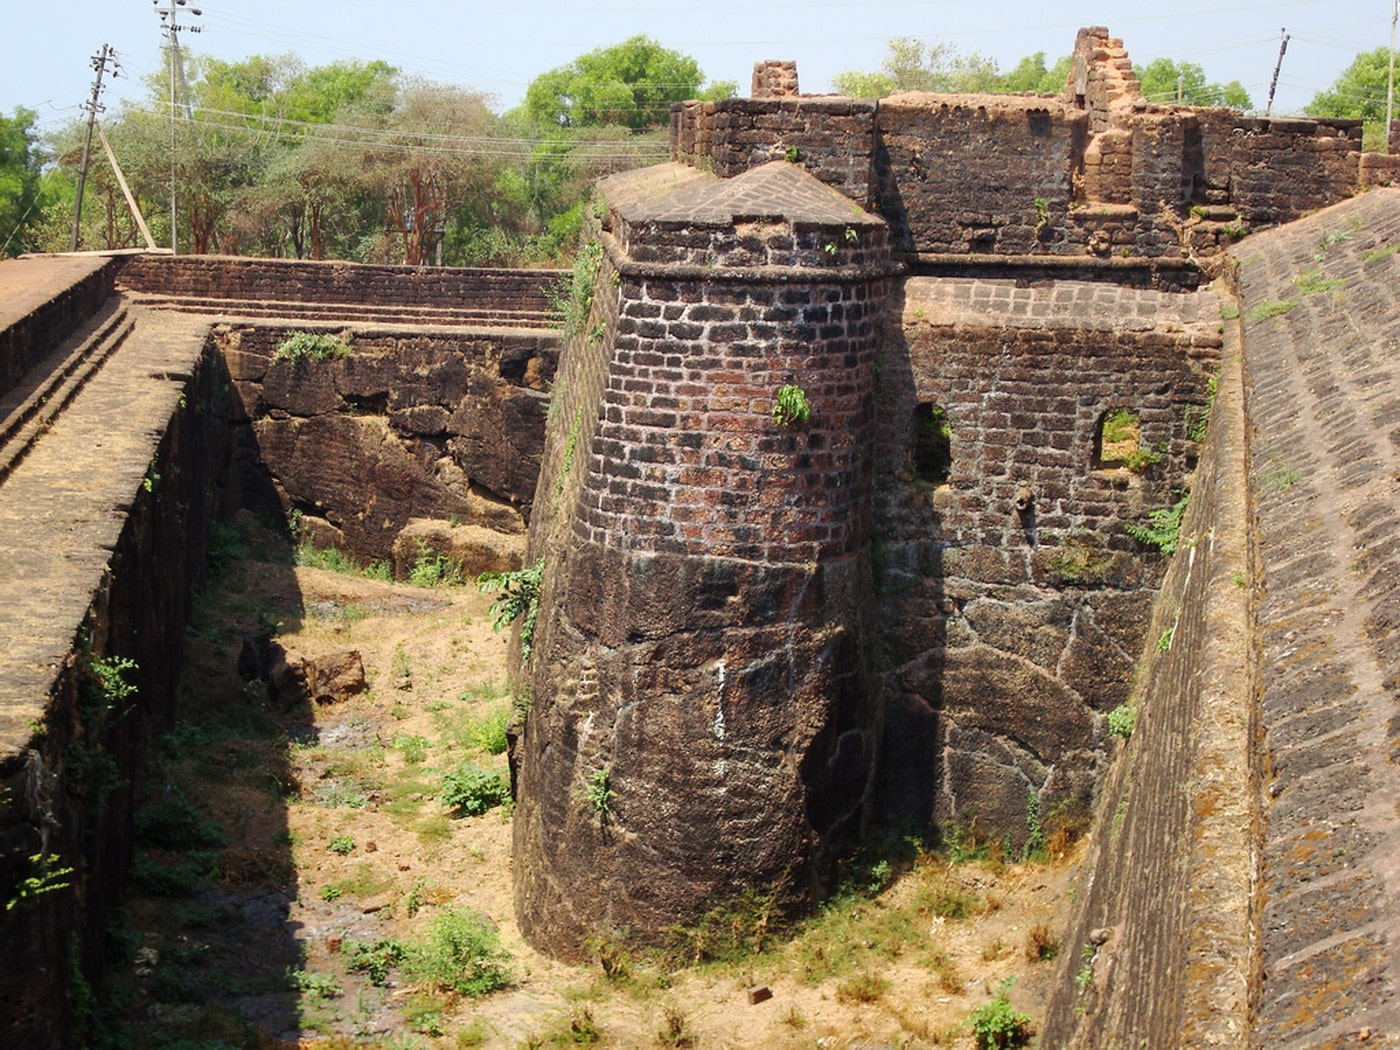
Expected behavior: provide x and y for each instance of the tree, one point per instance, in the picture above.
(1163, 80)
(1031, 75)
(1358, 94)
(434, 155)
(631, 84)
(20, 197)
(912, 65)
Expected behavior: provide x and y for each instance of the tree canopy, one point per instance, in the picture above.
(631, 85)
(347, 160)
(1358, 94)
(913, 65)
(19, 182)
(1164, 80)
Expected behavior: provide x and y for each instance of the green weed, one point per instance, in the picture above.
(1272, 308)
(1122, 720)
(791, 407)
(312, 346)
(471, 791)
(996, 1026)
(519, 600)
(460, 951)
(1163, 528)
(434, 569)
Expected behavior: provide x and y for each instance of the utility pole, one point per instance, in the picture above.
(1390, 82)
(172, 28)
(99, 63)
(1273, 84)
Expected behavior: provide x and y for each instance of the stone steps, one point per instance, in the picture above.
(30, 408)
(346, 312)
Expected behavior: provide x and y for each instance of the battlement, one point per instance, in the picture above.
(1095, 172)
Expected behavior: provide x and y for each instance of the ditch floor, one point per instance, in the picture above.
(293, 860)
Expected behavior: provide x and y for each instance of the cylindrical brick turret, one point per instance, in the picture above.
(702, 724)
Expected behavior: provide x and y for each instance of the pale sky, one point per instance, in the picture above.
(499, 47)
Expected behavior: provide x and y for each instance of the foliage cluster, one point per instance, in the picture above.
(791, 407)
(997, 1026)
(519, 600)
(461, 952)
(312, 346)
(469, 791)
(1163, 528)
(1358, 93)
(1122, 720)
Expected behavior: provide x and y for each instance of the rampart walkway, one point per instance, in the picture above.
(64, 504)
(1322, 311)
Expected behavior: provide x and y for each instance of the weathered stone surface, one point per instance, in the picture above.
(1011, 697)
(474, 548)
(1036, 631)
(1096, 667)
(294, 678)
(422, 425)
(989, 781)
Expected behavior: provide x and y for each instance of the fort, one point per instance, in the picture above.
(912, 601)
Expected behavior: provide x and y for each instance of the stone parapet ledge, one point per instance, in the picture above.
(1380, 169)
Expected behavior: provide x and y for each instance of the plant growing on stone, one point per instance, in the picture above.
(43, 878)
(432, 568)
(791, 407)
(573, 299)
(1163, 528)
(1122, 720)
(997, 1026)
(598, 794)
(312, 346)
(1042, 216)
(519, 600)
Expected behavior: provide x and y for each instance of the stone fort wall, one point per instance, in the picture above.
(1095, 171)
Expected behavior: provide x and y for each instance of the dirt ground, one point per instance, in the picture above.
(335, 838)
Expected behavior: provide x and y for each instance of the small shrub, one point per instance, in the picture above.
(312, 346)
(341, 845)
(180, 879)
(44, 878)
(489, 734)
(413, 748)
(675, 1028)
(573, 300)
(1272, 308)
(462, 952)
(434, 569)
(791, 407)
(373, 960)
(866, 987)
(1120, 426)
(1122, 720)
(331, 559)
(172, 823)
(519, 600)
(582, 1030)
(471, 791)
(996, 1026)
(1163, 528)
(598, 794)
(315, 985)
